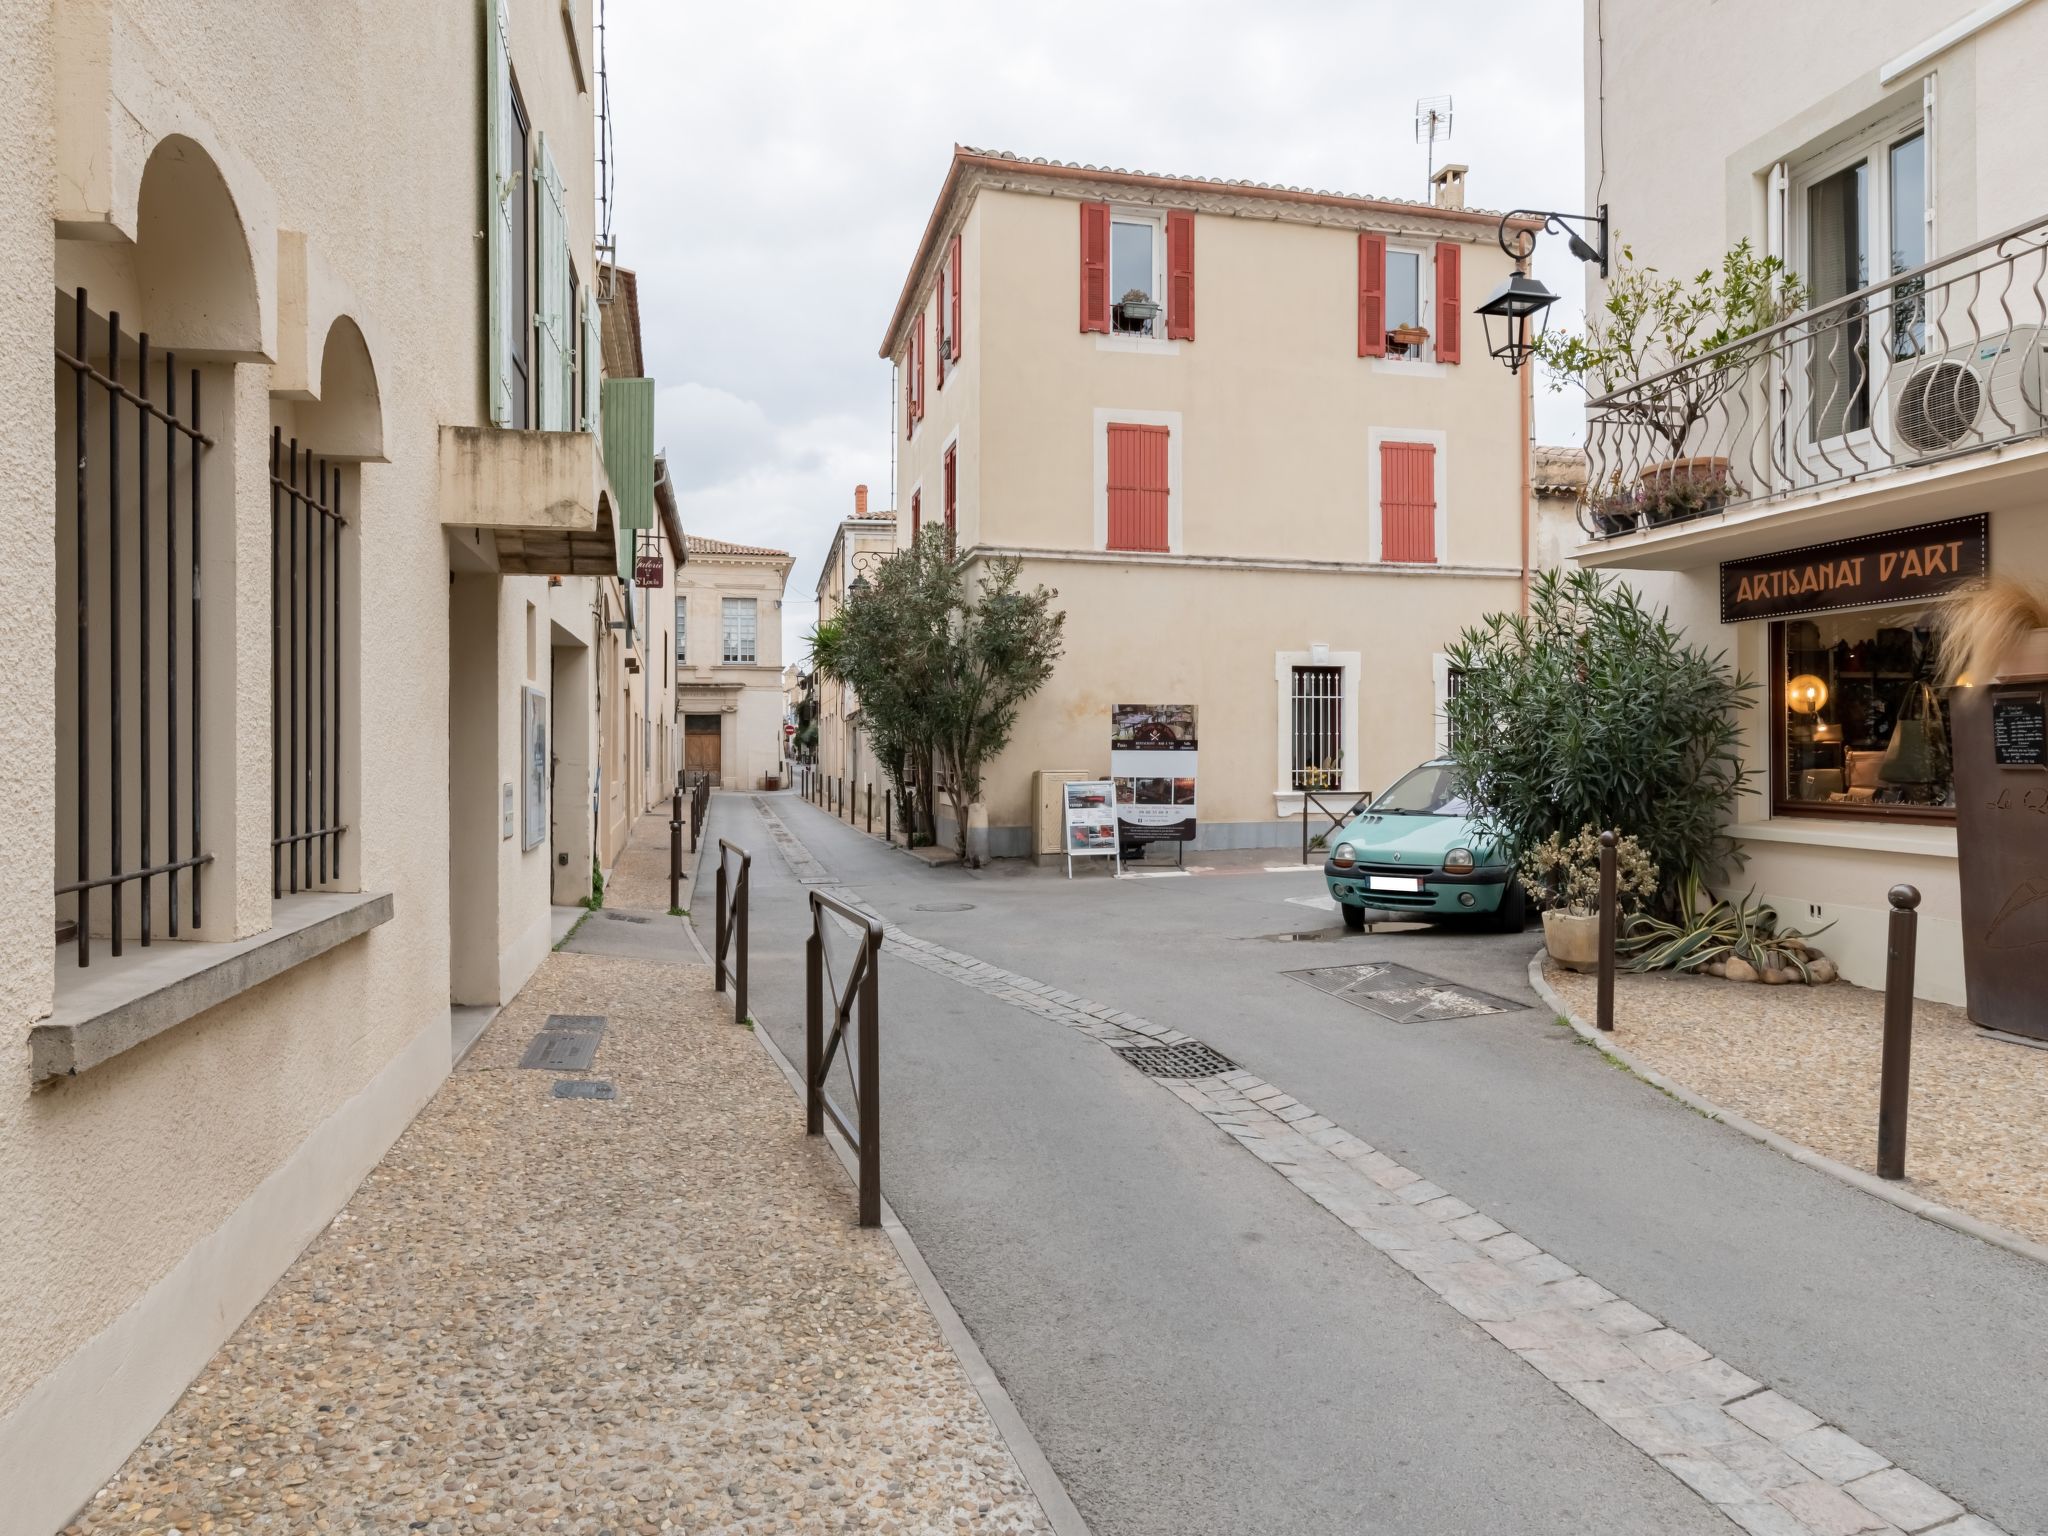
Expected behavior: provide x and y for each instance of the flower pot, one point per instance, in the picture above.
(1675, 490)
(1408, 336)
(1573, 939)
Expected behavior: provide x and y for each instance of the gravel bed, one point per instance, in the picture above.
(649, 1314)
(1803, 1061)
(639, 881)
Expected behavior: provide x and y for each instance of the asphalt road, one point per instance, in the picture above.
(1198, 1349)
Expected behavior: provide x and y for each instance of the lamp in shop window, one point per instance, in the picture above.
(1806, 694)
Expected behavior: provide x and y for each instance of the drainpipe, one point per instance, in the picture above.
(1528, 479)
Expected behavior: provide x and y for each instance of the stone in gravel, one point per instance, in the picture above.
(1739, 969)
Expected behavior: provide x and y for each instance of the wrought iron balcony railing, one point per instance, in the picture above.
(1946, 359)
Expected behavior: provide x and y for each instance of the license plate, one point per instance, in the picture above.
(1393, 883)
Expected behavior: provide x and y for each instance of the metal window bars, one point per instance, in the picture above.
(155, 651)
(306, 527)
(1317, 716)
(1947, 358)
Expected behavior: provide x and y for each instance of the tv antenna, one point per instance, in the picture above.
(1432, 123)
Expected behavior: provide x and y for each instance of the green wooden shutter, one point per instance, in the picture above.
(554, 362)
(593, 359)
(498, 190)
(629, 461)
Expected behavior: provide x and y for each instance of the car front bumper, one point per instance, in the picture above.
(1442, 894)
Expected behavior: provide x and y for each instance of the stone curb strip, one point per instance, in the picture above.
(1768, 1464)
(1870, 1184)
(1054, 1502)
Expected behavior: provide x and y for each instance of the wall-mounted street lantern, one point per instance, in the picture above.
(1522, 298)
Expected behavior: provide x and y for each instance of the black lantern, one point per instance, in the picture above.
(1522, 298)
(860, 584)
(1507, 315)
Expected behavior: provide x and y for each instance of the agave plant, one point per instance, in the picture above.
(1744, 930)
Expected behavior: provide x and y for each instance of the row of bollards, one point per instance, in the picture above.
(1896, 1071)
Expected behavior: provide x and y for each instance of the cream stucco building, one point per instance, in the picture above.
(1880, 446)
(727, 616)
(313, 669)
(1251, 435)
(859, 543)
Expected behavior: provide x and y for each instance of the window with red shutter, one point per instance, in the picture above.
(909, 385)
(1408, 503)
(1449, 301)
(915, 510)
(953, 274)
(917, 371)
(1180, 275)
(1095, 267)
(1372, 295)
(1138, 490)
(952, 502)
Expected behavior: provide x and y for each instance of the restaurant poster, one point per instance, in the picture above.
(1152, 753)
(1089, 819)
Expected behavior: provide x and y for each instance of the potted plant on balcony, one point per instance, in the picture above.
(1644, 359)
(1405, 336)
(1137, 309)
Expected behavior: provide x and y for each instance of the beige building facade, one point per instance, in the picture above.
(304, 722)
(859, 543)
(1249, 433)
(1880, 447)
(727, 618)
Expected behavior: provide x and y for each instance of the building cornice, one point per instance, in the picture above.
(1237, 562)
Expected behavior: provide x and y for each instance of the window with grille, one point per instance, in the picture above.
(1316, 718)
(307, 523)
(741, 617)
(682, 630)
(1454, 679)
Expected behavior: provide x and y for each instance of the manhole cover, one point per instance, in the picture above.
(1190, 1058)
(1407, 997)
(624, 917)
(594, 1022)
(945, 906)
(585, 1088)
(563, 1050)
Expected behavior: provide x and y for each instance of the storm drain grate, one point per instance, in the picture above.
(1190, 1058)
(1402, 995)
(584, 1088)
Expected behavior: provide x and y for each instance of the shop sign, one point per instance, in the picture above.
(1152, 756)
(1089, 821)
(647, 564)
(1907, 565)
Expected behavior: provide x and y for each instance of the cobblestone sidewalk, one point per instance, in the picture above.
(646, 1314)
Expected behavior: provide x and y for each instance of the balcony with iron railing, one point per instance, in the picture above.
(1905, 385)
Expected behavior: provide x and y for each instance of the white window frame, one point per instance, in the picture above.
(726, 657)
(1155, 219)
(1375, 436)
(1175, 496)
(682, 637)
(916, 494)
(1425, 295)
(950, 445)
(1440, 670)
(1287, 800)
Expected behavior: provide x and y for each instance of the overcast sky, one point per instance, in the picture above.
(776, 166)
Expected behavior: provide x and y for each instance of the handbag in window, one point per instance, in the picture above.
(1918, 750)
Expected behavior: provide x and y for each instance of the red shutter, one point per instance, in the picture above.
(1137, 487)
(952, 491)
(1408, 503)
(915, 519)
(953, 268)
(909, 384)
(1372, 295)
(1450, 301)
(1180, 276)
(917, 373)
(1095, 267)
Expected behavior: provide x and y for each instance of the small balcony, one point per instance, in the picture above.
(542, 498)
(1909, 396)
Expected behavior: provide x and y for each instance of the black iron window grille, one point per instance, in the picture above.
(1317, 710)
(306, 527)
(130, 680)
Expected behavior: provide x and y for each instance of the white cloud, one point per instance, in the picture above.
(774, 176)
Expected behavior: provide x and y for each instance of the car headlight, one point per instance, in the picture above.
(1459, 861)
(1343, 855)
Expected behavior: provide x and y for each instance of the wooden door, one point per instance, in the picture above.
(702, 739)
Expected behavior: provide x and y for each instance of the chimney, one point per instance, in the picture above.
(860, 501)
(1447, 186)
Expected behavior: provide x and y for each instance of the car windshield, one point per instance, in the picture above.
(1430, 790)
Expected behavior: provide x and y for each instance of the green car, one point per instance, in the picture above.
(1415, 850)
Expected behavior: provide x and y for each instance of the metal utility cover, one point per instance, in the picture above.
(1406, 997)
(1190, 1058)
(585, 1088)
(624, 917)
(593, 1022)
(563, 1050)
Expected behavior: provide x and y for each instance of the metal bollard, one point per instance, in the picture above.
(1895, 1079)
(871, 807)
(888, 832)
(675, 846)
(1603, 1014)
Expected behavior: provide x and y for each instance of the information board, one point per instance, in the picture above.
(1089, 820)
(2019, 729)
(1152, 758)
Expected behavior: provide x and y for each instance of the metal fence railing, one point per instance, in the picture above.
(853, 1002)
(730, 933)
(1337, 810)
(1944, 359)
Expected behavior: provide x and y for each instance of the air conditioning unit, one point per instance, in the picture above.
(1971, 396)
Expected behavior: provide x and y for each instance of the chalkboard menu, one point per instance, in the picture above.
(2019, 730)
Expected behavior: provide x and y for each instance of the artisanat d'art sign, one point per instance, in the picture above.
(1906, 565)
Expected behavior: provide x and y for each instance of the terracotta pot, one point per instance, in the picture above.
(1573, 939)
(1701, 466)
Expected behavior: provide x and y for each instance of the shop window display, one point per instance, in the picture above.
(1861, 716)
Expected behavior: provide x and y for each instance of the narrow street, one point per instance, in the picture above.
(1197, 1347)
